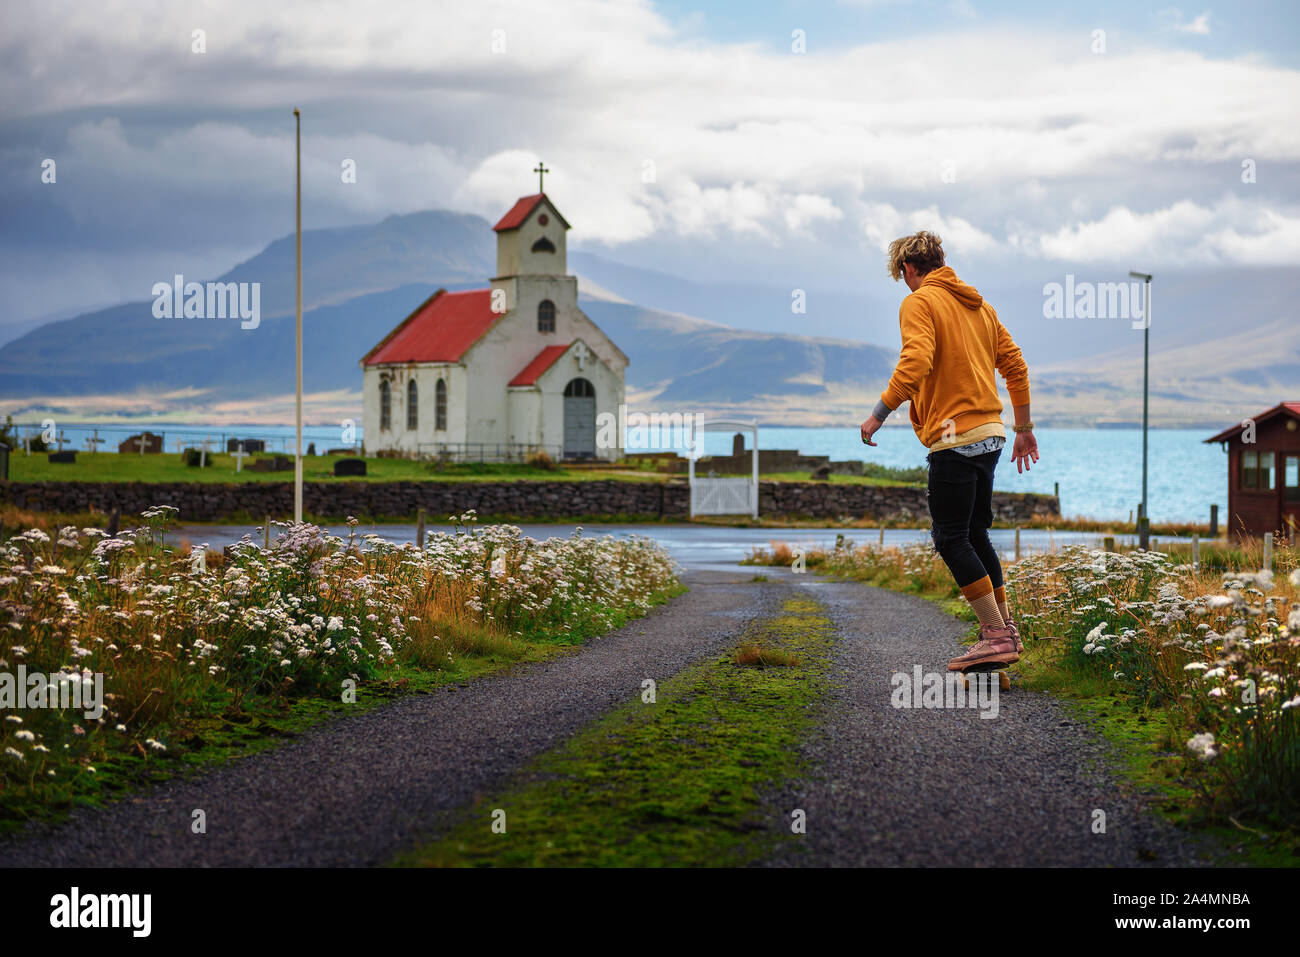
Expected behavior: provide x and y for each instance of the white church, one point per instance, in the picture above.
(508, 370)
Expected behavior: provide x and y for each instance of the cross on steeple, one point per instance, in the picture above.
(541, 172)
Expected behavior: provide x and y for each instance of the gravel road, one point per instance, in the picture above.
(358, 790)
(892, 787)
(947, 787)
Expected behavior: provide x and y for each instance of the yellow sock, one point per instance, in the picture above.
(1000, 593)
(980, 595)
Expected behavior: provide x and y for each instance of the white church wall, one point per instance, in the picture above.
(398, 438)
(518, 328)
(524, 411)
(609, 393)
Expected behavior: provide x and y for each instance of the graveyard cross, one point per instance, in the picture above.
(238, 455)
(581, 354)
(91, 442)
(541, 172)
(203, 456)
(60, 439)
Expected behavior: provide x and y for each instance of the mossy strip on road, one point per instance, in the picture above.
(679, 781)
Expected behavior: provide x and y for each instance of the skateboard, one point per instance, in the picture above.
(988, 667)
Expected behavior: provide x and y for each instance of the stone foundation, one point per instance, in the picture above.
(207, 502)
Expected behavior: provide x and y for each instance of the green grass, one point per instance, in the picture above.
(234, 724)
(170, 467)
(223, 729)
(1145, 741)
(833, 479)
(684, 781)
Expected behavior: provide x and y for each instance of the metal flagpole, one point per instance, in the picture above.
(1145, 524)
(297, 463)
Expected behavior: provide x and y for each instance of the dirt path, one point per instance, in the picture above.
(935, 787)
(947, 787)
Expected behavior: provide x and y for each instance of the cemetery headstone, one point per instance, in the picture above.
(350, 467)
(197, 458)
(68, 457)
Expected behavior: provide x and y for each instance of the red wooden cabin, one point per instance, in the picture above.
(1264, 472)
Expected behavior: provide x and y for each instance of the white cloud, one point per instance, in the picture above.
(883, 224)
(1185, 233)
(1173, 19)
(746, 142)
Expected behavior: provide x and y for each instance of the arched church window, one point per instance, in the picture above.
(385, 405)
(440, 406)
(546, 316)
(412, 405)
(543, 245)
(579, 388)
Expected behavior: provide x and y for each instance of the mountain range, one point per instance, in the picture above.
(1220, 349)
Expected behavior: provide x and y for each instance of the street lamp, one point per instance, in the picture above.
(1144, 521)
(297, 458)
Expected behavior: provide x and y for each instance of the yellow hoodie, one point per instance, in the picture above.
(952, 342)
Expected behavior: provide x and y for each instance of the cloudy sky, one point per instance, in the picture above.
(763, 140)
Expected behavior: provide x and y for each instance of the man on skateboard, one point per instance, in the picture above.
(952, 343)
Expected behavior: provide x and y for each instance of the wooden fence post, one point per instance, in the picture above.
(419, 529)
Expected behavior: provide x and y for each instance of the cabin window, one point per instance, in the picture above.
(546, 316)
(1249, 469)
(1291, 478)
(385, 405)
(1266, 470)
(412, 405)
(440, 406)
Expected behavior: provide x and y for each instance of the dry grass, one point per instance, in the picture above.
(757, 655)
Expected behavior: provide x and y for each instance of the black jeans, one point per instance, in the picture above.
(961, 511)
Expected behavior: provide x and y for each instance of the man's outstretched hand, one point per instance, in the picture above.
(869, 428)
(1024, 449)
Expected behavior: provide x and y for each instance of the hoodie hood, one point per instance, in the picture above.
(947, 280)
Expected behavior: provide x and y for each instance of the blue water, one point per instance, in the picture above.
(1099, 471)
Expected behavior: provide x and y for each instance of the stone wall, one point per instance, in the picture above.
(205, 502)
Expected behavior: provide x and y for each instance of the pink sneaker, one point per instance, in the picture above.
(1020, 645)
(997, 646)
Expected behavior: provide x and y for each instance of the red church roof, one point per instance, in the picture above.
(520, 211)
(1234, 430)
(441, 329)
(541, 362)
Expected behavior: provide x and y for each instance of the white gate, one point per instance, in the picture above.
(724, 496)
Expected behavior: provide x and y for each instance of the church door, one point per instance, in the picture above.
(579, 420)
